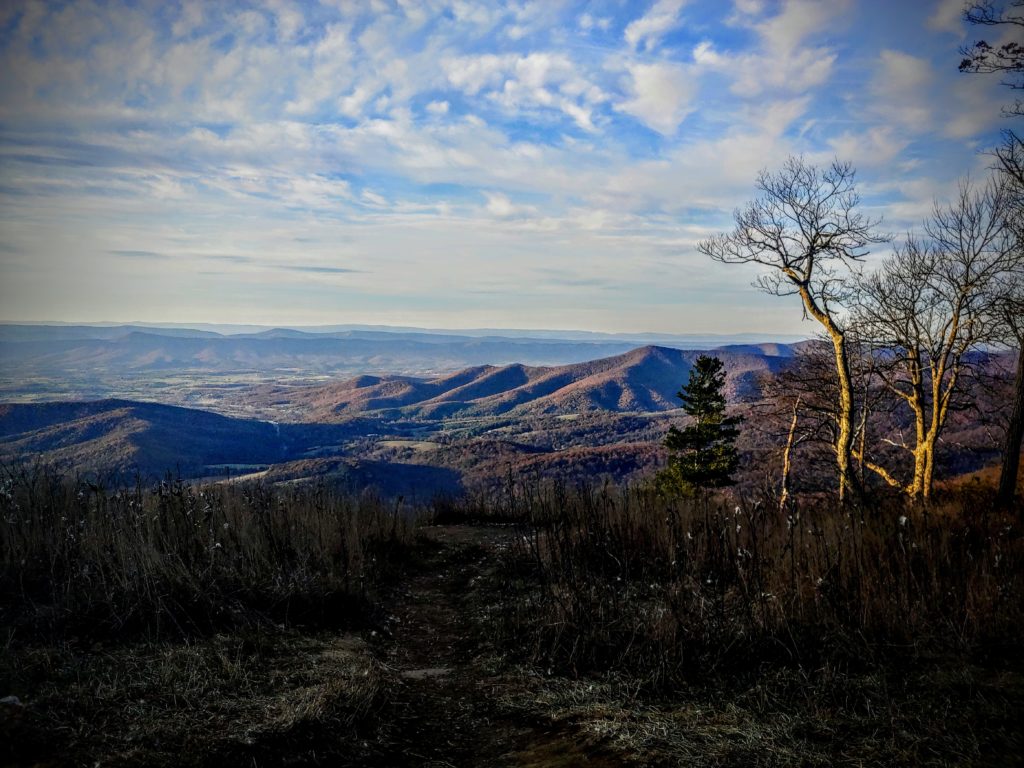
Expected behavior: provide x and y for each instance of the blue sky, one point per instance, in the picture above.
(451, 163)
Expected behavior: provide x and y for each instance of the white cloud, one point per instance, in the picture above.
(189, 21)
(948, 17)
(901, 88)
(587, 22)
(799, 20)
(908, 100)
(877, 147)
(646, 32)
(968, 110)
(148, 133)
(743, 8)
(784, 59)
(316, 191)
(288, 18)
(537, 80)
(499, 204)
(712, 174)
(662, 95)
(352, 105)
(706, 55)
(485, 15)
(472, 74)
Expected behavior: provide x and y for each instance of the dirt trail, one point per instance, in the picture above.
(444, 711)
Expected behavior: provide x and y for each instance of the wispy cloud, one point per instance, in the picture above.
(229, 257)
(144, 255)
(647, 31)
(317, 270)
(439, 150)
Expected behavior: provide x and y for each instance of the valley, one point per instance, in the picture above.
(401, 434)
(397, 432)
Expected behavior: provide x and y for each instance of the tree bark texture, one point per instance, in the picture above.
(787, 458)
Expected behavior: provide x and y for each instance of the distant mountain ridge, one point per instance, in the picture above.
(121, 436)
(644, 379)
(133, 351)
(137, 350)
(10, 330)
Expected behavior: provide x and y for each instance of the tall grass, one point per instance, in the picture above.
(176, 560)
(696, 589)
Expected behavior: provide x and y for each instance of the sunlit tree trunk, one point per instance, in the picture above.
(787, 457)
(930, 304)
(844, 439)
(806, 230)
(844, 415)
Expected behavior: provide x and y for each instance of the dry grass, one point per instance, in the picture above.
(967, 716)
(199, 626)
(691, 590)
(225, 698)
(77, 560)
(182, 625)
(700, 632)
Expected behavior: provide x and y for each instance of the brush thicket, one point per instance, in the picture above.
(178, 560)
(686, 589)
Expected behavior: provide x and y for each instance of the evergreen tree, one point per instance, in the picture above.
(703, 454)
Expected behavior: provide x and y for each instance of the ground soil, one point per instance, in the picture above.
(445, 711)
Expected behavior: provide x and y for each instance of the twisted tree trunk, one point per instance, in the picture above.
(787, 458)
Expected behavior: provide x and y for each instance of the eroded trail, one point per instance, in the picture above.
(444, 711)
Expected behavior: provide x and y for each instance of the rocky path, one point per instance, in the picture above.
(444, 711)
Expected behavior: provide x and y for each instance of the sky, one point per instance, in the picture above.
(453, 163)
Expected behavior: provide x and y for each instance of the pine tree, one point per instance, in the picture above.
(703, 454)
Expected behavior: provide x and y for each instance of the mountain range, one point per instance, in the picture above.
(135, 350)
(644, 379)
(316, 421)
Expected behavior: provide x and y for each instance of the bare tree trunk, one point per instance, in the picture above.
(787, 464)
(862, 427)
(929, 469)
(861, 449)
(916, 489)
(844, 440)
(844, 418)
(1014, 434)
(806, 229)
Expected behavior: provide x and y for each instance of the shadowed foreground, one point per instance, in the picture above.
(256, 626)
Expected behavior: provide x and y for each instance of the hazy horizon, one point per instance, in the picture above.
(230, 328)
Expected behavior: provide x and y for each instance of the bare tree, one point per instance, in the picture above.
(806, 229)
(1005, 58)
(1009, 160)
(798, 407)
(929, 305)
(1008, 308)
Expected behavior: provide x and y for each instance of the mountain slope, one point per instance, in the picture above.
(122, 436)
(644, 379)
(117, 351)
